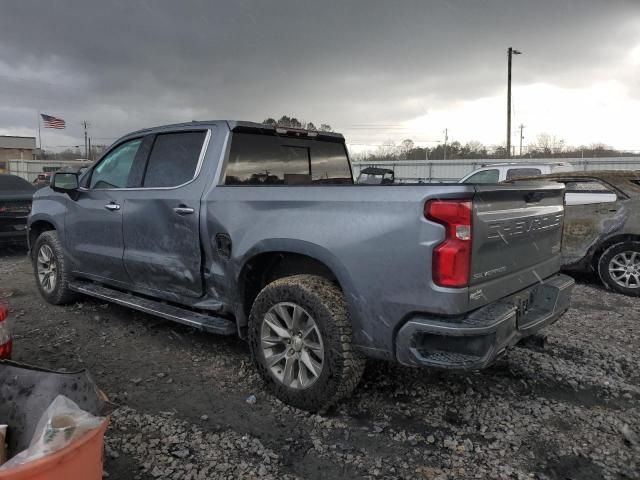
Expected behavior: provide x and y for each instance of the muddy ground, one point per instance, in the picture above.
(569, 409)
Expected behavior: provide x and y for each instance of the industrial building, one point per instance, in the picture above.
(15, 148)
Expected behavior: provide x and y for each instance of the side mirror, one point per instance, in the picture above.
(65, 182)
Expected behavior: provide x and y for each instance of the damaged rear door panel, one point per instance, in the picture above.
(161, 229)
(587, 225)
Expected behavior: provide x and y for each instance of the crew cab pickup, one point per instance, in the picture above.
(248, 229)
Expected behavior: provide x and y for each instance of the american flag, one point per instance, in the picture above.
(52, 122)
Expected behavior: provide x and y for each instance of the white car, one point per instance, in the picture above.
(499, 172)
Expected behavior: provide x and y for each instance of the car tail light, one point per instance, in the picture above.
(5, 333)
(451, 258)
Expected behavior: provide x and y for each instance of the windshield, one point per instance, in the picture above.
(13, 183)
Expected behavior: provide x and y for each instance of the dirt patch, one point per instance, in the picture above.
(549, 411)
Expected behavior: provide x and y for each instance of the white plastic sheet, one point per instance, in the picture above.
(59, 426)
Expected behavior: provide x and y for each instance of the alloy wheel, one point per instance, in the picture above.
(624, 269)
(47, 267)
(292, 345)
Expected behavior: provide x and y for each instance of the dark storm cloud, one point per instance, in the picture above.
(124, 65)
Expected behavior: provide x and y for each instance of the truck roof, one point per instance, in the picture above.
(242, 125)
(523, 163)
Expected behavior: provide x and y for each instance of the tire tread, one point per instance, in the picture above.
(603, 267)
(62, 294)
(350, 361)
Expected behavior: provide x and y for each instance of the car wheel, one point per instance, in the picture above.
(51, 269)
(619, 268)
(301, 342)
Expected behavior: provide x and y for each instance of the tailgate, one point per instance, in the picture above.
(517, 235)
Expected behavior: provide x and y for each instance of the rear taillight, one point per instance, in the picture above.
(5, 333)
(452, 257)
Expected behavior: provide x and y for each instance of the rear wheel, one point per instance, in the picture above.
(51, 270)
(619, 268)
(301, 342)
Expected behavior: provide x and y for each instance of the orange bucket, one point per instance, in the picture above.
(82, 460)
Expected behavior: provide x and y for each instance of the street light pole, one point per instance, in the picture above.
(511, 52)
(446, 137)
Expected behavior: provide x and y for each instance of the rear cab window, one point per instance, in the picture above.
(259, 159)
(522, 172)
(485, 176)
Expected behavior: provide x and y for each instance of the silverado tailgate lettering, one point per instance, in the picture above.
(513, 228)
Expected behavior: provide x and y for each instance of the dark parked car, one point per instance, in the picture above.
(602, 225)
(15, 204)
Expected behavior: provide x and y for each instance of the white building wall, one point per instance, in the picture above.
(411, 171)
(29, 169)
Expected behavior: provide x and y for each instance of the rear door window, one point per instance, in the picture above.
(272, 160)
(522, 172)
(174, 159)
(588, 192)
(485, 176)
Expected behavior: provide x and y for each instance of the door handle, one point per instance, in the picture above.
(112, 206)
(183, 210)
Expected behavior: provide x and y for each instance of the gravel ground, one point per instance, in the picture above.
(189, 405)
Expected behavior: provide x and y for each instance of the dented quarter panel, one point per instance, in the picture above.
(587, 226)
(374, 239)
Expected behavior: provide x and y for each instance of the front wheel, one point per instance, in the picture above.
(51, 269)
(301, 342)
(619, 268)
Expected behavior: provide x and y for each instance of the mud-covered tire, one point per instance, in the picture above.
(60, 293)
(615, 279)
(342, 365)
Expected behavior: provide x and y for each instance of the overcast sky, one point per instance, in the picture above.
(374, 70)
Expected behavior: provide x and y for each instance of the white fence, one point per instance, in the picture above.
(29, 169)
(411, 171)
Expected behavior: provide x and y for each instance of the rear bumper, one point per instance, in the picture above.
(473, 341)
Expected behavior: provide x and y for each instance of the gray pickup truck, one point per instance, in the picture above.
(242, 228)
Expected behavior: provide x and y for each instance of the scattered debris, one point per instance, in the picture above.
(554, 412)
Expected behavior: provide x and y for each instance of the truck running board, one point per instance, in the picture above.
(207, 323)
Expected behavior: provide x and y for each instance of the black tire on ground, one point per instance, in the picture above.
(607, 276)
(343, 365)
(60, 293)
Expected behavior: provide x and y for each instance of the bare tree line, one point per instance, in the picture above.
(545, 146)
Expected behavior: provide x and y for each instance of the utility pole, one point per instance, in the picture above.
(446, 137)
(85, 124)
(510, 53)
(521, 138)
(90, 152)
(39, 138)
